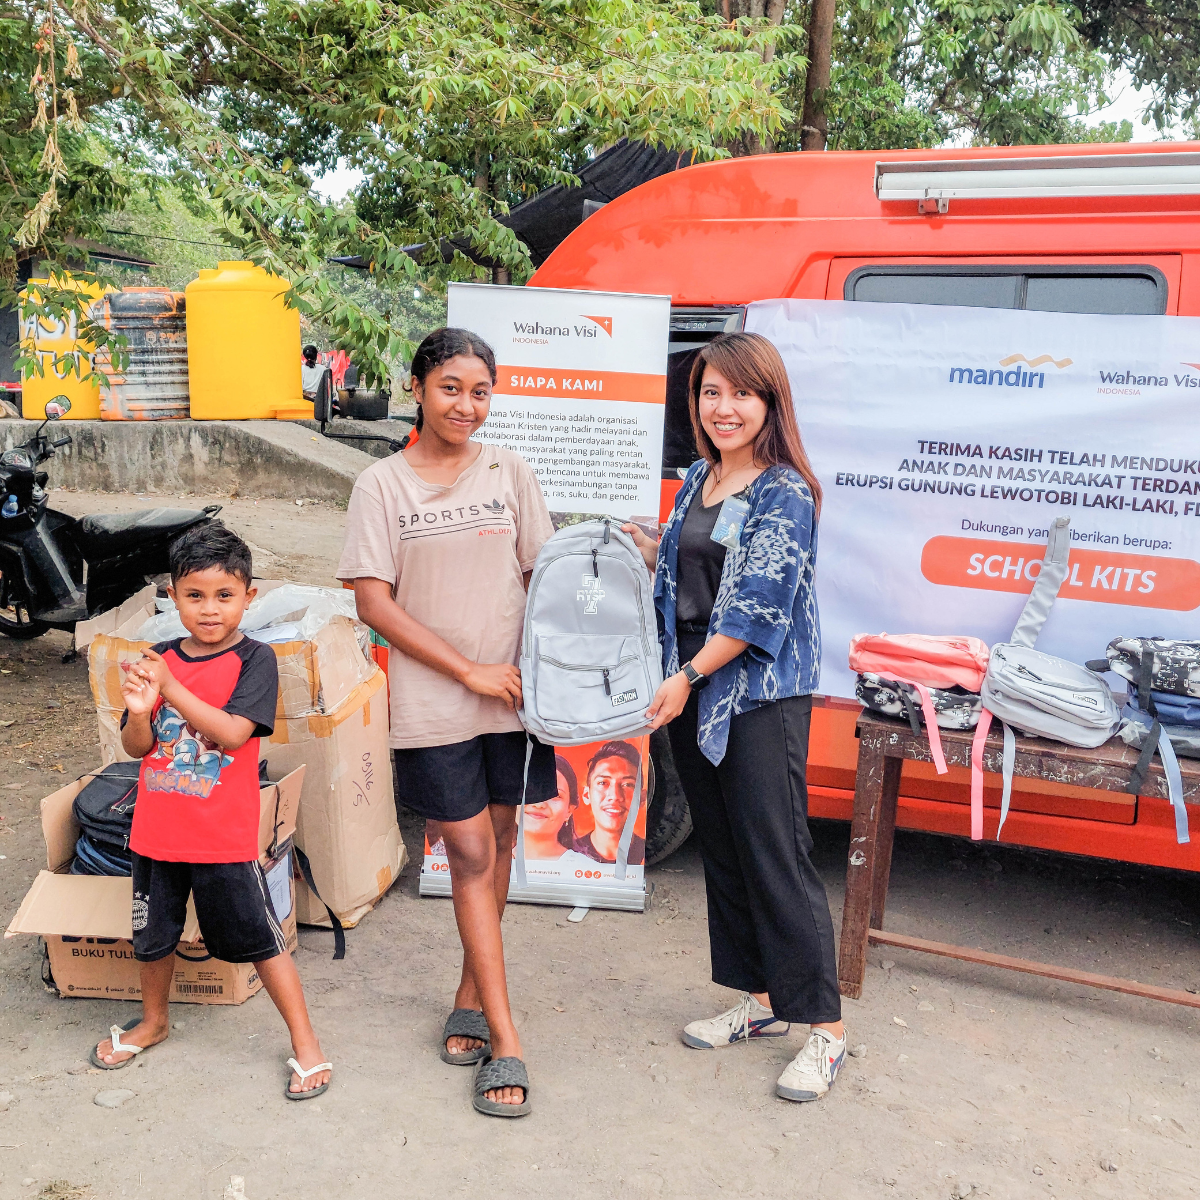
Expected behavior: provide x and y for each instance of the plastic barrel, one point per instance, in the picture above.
(243, 346)
(154, 384)
(63, 357)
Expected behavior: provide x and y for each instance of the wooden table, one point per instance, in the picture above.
(884, 743)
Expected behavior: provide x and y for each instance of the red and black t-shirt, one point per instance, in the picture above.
(196, 802)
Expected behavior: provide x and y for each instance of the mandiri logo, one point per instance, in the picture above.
(1015, 376)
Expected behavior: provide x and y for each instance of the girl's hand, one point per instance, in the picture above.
(669, 700)
(647, 545)
(140, 695)
(500, 680)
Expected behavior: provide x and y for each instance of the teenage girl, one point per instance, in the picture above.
(440, 541)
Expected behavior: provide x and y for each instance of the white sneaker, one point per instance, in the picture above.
(745, 1020)
(811, 1073)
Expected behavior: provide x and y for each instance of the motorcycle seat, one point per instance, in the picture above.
(104, 534)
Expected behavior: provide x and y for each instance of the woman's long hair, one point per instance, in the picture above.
(440, 347)
(566, 831)
(750, 362)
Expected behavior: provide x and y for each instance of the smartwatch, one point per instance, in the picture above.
(696, 681)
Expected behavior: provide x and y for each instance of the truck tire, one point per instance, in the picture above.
(668, 820)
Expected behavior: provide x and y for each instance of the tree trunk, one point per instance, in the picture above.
(814, 123)
(483, 182)
(773, 10)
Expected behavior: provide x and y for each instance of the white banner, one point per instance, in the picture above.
(580, 395)
(581, 390)
(946, 440)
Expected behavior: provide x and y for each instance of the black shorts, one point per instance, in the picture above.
(233, 906)
(457, 782)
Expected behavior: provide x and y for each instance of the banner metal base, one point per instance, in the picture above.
(631, 898)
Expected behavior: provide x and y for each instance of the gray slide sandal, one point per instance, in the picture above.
(467, 1023)
(500, 1073)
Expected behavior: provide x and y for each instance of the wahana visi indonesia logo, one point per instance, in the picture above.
(1011, 373)
(537, 329)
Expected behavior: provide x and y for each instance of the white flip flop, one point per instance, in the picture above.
(119, 1047)
(312, 1093)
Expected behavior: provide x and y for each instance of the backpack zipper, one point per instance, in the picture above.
(554, 662)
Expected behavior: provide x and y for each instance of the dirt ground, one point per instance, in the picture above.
(973, 1081)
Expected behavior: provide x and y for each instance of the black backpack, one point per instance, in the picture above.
(104, 807)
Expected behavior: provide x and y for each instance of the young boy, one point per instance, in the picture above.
(195, 709)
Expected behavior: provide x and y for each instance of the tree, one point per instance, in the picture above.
(452, 107)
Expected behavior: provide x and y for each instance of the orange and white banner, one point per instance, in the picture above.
(946, 439)
(580, 391)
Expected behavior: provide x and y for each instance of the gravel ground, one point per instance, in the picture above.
(972, 1081)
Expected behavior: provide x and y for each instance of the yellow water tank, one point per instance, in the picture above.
(243, 346)
(63, 358)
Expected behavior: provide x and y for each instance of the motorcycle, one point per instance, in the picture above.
(56, 570)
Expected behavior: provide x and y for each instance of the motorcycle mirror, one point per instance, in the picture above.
(57, 408)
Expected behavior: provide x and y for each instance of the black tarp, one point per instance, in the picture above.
(545, 220)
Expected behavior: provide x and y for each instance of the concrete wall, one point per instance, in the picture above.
(396, 428)
(244, 458)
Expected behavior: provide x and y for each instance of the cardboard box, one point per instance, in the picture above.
(347, 823)
(315, 676)
(87, 920)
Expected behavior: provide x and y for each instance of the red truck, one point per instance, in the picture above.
(1082, 228)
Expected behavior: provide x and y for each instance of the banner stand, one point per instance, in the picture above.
(581, 395)
(627, 897)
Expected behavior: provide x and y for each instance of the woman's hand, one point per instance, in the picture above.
(669, 700)
(500, 680)
(647, 545)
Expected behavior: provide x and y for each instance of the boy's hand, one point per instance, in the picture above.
(153, 669)
(140, 695)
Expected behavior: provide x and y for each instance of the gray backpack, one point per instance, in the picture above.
(1037, 693)
(590, 658)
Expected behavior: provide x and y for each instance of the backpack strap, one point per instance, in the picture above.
(630, 822)
(339, 932)
(1158, 739)
(910, 710)
(977, 744)
(1008, 764)
(520, 862)
(1045, 589)
(931, 728)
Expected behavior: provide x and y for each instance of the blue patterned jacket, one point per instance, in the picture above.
(766, 597)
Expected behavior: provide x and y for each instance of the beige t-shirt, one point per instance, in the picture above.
(455, 556)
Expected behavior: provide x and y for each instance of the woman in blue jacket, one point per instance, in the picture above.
(741, 644)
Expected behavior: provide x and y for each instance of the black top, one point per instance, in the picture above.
(700, 562)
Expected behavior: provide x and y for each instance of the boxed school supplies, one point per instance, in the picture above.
(319, 667)
(87, 923)
(347, 822)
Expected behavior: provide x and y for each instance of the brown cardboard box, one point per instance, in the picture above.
(87, 920)
(315, 676)
(347, 823)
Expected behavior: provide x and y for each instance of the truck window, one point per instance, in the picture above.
(691, 329)
(1081, 289)
(972, 291)
(1114, 294)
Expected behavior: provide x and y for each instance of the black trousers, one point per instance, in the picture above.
(769, 926)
